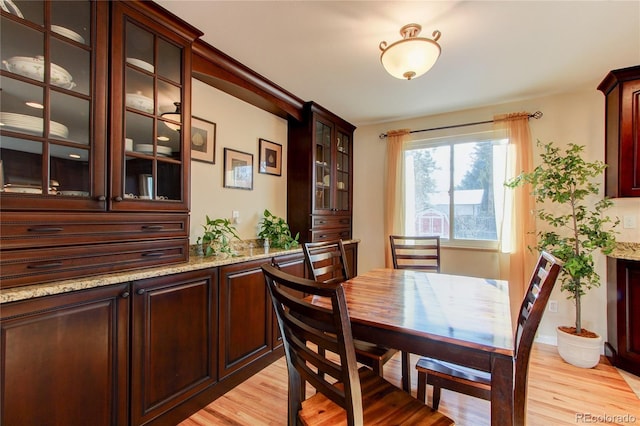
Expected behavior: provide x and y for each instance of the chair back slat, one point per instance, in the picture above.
(327, 261)
(312, 337)
(543, 279)
(416, 252)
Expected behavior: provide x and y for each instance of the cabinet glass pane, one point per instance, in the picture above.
(168, 141)
(343, 150)
(71, 67)
(169, 181)
(139, 91)
(30, 10)
(138, 178)
(139, 129)
(70, 172)
(21, 165)
(70, 118)
(21, 107)
(169, 61)
(139, 47)
(23, 58)
(72, 20)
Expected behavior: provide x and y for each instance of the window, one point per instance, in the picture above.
(454, 187)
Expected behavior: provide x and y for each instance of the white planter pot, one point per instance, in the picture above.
(580, 351)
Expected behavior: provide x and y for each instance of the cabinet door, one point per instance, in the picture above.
(54, 79)
(151, 105)
(324, 160)
(64, 359)
(174, 341)
(628, 321)
(245, 316)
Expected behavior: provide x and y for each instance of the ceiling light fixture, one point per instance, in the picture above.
(412, 56)
(175, 116)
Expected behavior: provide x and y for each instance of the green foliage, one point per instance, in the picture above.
(277, 231)
(564, 183)
(217, 237)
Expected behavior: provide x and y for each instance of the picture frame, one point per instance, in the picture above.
(203, 140)
(270, 158)
(238, 169)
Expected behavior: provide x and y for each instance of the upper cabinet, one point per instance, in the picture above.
(320, 175)
(622, 90)
(53, 114)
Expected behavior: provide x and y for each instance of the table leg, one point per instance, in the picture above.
(502, 391)
(406, 371)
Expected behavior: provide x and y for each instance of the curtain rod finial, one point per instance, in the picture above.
(382, 136)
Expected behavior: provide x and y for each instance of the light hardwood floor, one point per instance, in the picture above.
(559, 394)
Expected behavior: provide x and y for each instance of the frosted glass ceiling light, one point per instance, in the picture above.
(175, 116)
(412, 56)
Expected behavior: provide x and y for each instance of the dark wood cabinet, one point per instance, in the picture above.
(174, 349)
(75, 159)
(623, 314)
(622, 126)
(320, 175)
(65, 359)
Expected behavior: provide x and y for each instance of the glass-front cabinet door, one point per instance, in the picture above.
(343, 171)
(323, 165)
(147, 148)
(52, 127)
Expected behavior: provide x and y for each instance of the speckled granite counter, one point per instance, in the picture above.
(195, 263)
(627, 251)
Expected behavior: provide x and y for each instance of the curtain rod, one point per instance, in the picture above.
(536, 115)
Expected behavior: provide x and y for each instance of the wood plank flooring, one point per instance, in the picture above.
(559, 394)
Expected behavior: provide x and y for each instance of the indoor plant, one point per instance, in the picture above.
(217, 236)
(276, 231)
(575, 227)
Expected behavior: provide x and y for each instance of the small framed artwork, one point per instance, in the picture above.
(270, 158)
(203, 140)
(238, 169)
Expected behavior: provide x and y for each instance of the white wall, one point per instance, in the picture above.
(239, 126)
(576, 117)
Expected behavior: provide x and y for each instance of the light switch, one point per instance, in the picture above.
(629, 222)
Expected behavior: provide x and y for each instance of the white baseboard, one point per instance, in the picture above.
(546, 339)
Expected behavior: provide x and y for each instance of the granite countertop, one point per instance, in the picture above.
(196, 262)
(627, 251)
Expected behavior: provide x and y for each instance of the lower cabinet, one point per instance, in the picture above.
(65, 359)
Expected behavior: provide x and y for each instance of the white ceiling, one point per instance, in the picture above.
(492, 51)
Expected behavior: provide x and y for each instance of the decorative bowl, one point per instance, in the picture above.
(34, 68)
(139, 101)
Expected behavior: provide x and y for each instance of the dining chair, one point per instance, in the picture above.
(476, 383)
(345, 394)
(416, 252)
(327, 262)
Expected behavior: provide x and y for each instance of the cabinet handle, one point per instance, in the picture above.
(46, 229)
(152, 227)
(101, 198)
(140, 291)
(45, 265)
(117, 199)
(153, 254)
(125, 294)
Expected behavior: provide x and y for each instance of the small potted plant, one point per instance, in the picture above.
(275, 232)
(575, 227)
(217, 237)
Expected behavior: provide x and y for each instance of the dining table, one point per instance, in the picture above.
(459, 319)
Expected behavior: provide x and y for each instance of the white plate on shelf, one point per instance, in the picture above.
(30, 124)
(74, 193)
(34, 68)
(10, 7)
(22, 189)
(146, 148)
(141, 64)
(141, 102)
(66, 32)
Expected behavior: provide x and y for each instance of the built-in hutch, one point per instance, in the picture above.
(94, 169)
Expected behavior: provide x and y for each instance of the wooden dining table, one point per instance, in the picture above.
(459, 319)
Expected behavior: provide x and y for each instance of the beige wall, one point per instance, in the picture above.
(576, 117)
(239, 125)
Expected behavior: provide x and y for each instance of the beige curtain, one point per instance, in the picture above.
(518, 230)
(394, 195)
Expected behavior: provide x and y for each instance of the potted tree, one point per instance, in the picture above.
(217, 237)
(575, 226)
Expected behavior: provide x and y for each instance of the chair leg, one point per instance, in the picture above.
(378, 368)
(406, 377)
(422, 387)
(436, 397)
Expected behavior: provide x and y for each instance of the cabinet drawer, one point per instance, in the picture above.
(25, 267)
(18, 231)
(327, 222)
(331, 234)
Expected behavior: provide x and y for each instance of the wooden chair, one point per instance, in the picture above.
(345, 394)
(327, 262)
(420, 252)
(476, 383)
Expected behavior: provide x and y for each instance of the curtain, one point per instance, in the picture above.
(394, 195)
(518, 225)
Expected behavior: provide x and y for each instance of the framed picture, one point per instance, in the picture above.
(238, 169)
(270, 158)
(203, 140)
